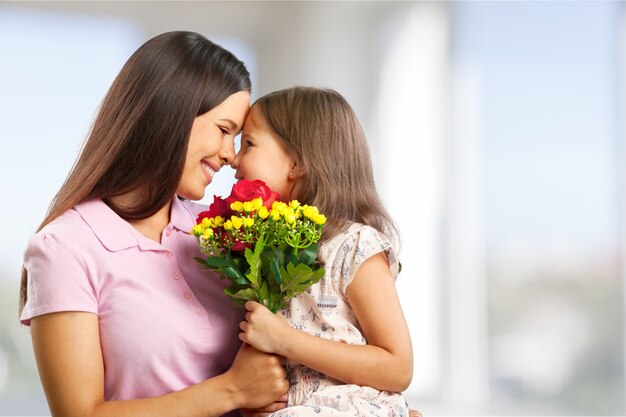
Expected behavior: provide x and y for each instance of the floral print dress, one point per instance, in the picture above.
(323, 311)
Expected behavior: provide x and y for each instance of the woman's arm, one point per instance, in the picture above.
(69, 358)
(270, 408)
(385, 363)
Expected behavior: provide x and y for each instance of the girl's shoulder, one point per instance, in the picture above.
(359, 234)
(345, 252)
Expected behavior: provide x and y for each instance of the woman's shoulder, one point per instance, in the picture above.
(58, 248)
(70, 223)
(68, 230)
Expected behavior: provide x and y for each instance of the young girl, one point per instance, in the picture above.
(346, 339)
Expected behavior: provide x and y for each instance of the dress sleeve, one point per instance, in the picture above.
(361, 246)
(57, 279)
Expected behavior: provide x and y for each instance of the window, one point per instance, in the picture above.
(501, 141)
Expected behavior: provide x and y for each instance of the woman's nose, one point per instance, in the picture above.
(227, 153)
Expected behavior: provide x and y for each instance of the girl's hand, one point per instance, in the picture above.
(263, 329)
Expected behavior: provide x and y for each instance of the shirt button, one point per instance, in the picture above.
(168, 254)
(176, 275)
(168, 233)
(188, 296)
(200, 312)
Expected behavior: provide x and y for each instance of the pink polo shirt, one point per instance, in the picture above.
(164, 322)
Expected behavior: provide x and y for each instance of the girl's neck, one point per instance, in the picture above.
(151, 227)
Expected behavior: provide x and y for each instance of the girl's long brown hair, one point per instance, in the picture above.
(321, 130)
(139, 138)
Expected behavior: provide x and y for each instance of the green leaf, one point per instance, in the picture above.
(254, 260)
(289, 256)
(309, 254)
(296, 279)
(272, 260)
(218, 262)
(275, 252)
(240, 294)
(234, 275)
(200, 260)
(263, 293)
(253, 275)
(276, 305)
(318, 274)
(241, 264)
(275, 271)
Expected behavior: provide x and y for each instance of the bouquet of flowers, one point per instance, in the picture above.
(266, 248)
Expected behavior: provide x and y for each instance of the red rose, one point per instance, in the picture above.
(246, 190)
(219, 207)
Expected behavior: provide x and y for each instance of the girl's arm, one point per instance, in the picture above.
(385, 363)
(69, 358)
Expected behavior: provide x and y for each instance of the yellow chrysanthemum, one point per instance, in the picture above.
(289, 212)
(309, 211)
(275, 215)
(237, 221)
(248, 206)
(319, 219)
(218, 221)
(228, 225)
(263, 212)
(278, 206)
(290, 218)
(257, 203)
(294, 204)
(206, 222)
(236, 206)
(197, 230)
(207, 234)
(248, 222)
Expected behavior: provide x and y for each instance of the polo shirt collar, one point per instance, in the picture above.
(117, 234)
(180, 216)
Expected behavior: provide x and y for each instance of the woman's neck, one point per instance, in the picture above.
(151, 227)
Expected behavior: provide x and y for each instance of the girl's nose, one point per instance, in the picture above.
(235, 162)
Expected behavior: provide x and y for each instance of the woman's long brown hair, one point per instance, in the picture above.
(139, 138)
(321, 130)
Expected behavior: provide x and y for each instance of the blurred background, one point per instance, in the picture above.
(497, 132)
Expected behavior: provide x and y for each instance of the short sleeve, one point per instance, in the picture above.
(57, 279)
(359, 247)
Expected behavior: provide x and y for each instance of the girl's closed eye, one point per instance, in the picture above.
(246, 142)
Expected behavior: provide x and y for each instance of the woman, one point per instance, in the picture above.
(123, 321)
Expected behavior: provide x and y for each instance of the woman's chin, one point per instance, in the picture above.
(193, 195)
